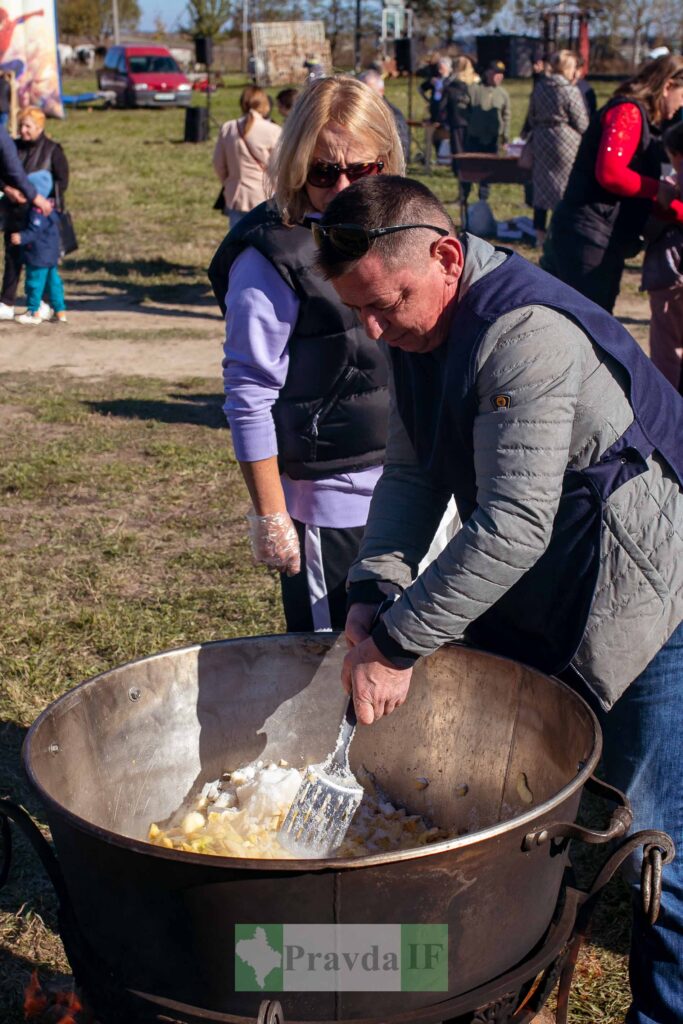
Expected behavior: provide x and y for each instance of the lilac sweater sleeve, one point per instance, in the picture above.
(260, 316)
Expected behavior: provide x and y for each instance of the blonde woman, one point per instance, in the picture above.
(557, 118)
(305, 388)
(243, 150)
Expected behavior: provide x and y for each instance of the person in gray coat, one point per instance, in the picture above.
(563, 447)
(557, 119)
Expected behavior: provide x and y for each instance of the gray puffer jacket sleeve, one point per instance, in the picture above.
(520, 456)
(405, 511)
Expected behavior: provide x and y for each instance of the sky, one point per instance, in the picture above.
(170, 11)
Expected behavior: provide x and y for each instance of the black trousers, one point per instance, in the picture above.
(540, 218)
(593, 270)
(315, 599)
(457, 145)
(12, 272)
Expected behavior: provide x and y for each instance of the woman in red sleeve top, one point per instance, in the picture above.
(615, 184)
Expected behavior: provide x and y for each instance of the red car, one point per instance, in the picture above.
(144, 76)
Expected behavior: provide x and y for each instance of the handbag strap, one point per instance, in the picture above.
(251, 152)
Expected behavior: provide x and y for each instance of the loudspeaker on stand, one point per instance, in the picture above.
(203, 49)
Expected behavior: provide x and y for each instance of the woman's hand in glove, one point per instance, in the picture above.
(274, 542)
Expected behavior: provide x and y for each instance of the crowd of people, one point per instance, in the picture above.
(598, 176)
(494, 383)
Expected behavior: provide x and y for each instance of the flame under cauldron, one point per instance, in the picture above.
(48, 1005)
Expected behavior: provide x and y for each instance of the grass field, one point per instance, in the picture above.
(121, 527)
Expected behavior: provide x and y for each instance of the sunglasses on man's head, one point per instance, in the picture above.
(324, 175)
(353, 240)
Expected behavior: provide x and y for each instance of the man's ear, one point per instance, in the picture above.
(448, 251)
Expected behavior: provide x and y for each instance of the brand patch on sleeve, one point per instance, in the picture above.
(501, 401)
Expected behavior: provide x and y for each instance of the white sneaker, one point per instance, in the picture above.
(30, 319)
(45, 312)
(6, 312)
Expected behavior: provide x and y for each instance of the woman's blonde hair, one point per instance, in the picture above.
(649, 84)
(34, 114)
(464, 71)
(339, 100)
(565, 63)
(252, 98)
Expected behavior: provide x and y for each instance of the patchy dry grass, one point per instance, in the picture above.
(120, 534)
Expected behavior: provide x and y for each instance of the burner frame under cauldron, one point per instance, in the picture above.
(515, 997)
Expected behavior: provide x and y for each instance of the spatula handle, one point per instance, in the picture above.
(350, 721)
(348, 728)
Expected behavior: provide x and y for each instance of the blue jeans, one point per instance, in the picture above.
(643, 756)
(44, 282)
(235, 216)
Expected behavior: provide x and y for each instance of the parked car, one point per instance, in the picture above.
(144, 76)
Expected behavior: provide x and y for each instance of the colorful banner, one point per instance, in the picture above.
(28, 48)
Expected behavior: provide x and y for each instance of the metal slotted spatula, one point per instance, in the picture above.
(326, 801)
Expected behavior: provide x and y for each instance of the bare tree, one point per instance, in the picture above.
(93, 18)
(448, 16)
(207, 17)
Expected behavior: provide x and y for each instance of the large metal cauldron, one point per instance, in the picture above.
(506, 750)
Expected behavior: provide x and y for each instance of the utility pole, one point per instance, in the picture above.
(115, 18)
(357, 40)
(245, 36)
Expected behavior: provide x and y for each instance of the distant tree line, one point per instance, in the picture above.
(620, 28)
(93, 19)
(437, 22)
(442, 20)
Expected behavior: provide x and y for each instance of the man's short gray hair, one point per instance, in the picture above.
(372, 79)
(382, 201)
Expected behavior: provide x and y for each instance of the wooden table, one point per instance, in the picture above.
(492, 168)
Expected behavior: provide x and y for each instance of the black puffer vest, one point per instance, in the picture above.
(589, 209)
(331, 415)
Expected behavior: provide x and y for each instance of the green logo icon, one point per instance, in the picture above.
(258, 958)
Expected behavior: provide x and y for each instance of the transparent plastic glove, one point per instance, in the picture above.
(274, 542)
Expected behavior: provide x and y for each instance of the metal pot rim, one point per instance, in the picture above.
(522, 821)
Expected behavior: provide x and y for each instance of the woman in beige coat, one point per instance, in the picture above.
(242, 153)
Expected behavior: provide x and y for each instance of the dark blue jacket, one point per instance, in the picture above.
(41, 241)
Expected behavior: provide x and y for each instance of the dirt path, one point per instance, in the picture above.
(110, 334)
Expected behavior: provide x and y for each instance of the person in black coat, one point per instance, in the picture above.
(586, 90)
(36, 152)
(434, 90)
(455, 105)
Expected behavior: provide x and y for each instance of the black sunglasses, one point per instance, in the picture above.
(324, 175)
(353, 240)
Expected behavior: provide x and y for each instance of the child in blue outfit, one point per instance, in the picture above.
(41, 248)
